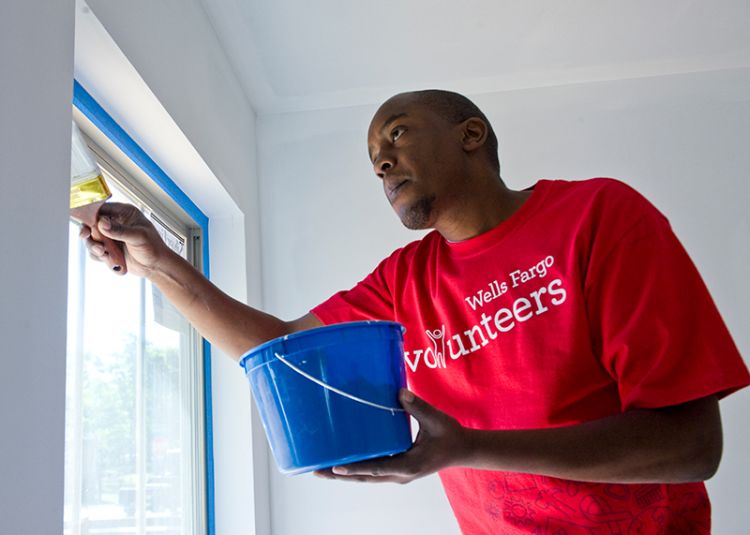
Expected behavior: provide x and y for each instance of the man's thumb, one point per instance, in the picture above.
(417, 407)
(114, 230)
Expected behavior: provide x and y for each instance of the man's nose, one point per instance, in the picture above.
(382, 164)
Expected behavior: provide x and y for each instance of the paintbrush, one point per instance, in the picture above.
(88, 192)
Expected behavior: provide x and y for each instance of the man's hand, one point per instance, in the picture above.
(126, 224)
(441, 443)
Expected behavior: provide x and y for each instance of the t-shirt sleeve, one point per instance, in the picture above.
(654, 324)
(370, 299)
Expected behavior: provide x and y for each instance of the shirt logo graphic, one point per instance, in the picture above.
(433, 357)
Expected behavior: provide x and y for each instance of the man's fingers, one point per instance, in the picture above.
(99, 253)
(121, 221)
(115, 226)
(95, 248)
(361, 478)
(117, 231)
(117, 210)
(401, 466)
(416, 406)
(373, 479)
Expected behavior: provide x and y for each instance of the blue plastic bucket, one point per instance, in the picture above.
(329, 396)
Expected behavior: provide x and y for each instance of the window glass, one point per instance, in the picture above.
(132, 437)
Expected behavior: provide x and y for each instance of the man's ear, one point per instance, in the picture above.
(474, 133)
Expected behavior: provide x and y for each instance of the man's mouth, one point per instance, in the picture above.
(393, 190)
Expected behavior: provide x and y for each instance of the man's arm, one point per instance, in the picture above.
(676, 444)
(227, 323)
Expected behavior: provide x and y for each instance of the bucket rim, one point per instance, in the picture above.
(311, 332)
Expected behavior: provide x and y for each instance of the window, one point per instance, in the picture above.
(135, 454)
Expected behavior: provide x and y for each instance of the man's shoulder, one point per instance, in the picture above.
(602, 195)
(603, 209)
(407, 252)
(407, 260)
(595, 187)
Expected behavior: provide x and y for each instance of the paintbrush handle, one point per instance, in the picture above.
(114, 250)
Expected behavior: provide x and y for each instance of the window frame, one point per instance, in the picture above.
(167, 192)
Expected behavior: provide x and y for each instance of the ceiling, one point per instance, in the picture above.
(295, 55)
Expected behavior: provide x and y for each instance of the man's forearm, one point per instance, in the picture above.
(229, 324)
(674, 445)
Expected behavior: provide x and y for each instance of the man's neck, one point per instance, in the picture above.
(485, 209)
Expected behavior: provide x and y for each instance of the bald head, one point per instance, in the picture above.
(455, 109)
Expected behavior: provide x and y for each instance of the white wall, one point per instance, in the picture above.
(681, 140)
(36, 69)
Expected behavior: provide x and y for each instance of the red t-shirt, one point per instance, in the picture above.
(581, 305)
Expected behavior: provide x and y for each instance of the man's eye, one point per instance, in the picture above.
(396, 132)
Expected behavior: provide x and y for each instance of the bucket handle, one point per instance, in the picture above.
(336, 390)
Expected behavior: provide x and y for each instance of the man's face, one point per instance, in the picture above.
(417, 154)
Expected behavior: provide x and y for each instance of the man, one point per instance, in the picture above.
(566, 357)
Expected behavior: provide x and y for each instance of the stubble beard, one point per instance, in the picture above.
(418, 216)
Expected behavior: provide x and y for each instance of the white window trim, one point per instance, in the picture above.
(145, 194)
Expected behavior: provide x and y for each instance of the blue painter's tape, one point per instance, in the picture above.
(210, 517)
(104, 122)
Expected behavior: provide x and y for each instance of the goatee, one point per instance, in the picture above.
(418, 215)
